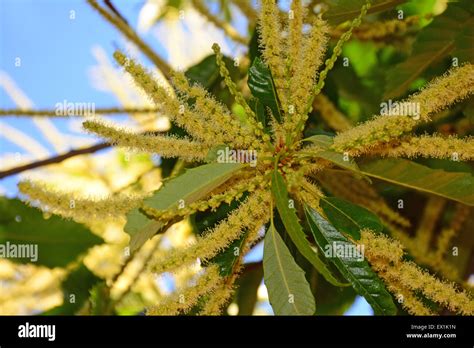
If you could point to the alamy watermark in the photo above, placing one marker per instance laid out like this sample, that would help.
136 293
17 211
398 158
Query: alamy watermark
391 108
228 155
344 251
19 251
66 108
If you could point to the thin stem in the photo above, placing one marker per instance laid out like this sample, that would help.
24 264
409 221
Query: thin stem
55 113
219 23
53 160
130 34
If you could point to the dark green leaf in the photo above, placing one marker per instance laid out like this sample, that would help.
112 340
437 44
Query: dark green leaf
288 291
227 259
254 49
203 221
433 43
100 299
464 47
343 10
348 217
57 241
294 230
248 283
364 281
261 85
364 93
206 72
76 291
454 186
333 300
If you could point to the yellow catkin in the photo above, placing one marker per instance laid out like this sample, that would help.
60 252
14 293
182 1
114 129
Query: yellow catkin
313 168
166 146
314 49
234 192
228 128
78 208
177 111
312 188
307 198
295 48
418 246
385 256
295 25
337 51
408 299
239 98
454 86
330 114
428 258
244 217
431 214
272 44
185 298
444 293
225 291
359 191
432 147
218 300
447 234
381 30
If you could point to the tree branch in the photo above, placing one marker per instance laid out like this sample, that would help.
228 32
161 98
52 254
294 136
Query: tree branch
53 160
99 111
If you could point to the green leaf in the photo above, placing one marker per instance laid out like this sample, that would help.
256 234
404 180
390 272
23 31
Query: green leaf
363 92
192 185
364 281
206 72
260 113
202 221
433 43
187 188
76 291
140 228
325 142
288 291
247 294
464 49
454 186
332 300
100 299
348 217
295 231
254 49
213 153
322 140
344 10
56 241
261 85
227 259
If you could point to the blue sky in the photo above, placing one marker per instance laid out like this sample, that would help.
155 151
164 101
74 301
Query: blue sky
55 54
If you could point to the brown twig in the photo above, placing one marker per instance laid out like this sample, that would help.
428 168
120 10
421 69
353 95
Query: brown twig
131 35
53 160
99 111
